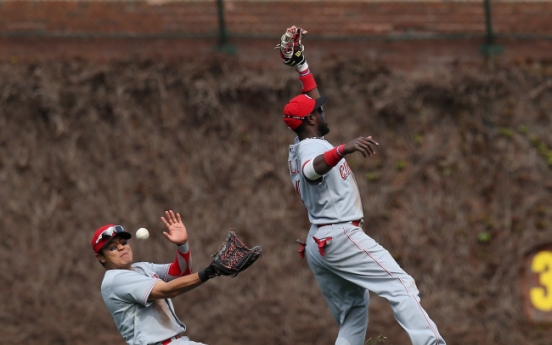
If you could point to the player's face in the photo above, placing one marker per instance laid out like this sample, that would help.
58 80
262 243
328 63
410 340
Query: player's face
117 254
322 123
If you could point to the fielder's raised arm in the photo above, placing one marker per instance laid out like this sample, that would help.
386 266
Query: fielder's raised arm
305 108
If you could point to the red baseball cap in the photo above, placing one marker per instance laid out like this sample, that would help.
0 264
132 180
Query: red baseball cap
105 234
299 107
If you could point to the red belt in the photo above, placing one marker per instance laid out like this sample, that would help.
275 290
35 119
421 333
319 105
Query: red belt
170 340
354 222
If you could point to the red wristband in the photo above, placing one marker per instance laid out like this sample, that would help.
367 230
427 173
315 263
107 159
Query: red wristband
340 149
333 156
307 81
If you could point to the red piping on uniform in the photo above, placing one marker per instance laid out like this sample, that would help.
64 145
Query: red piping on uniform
403 284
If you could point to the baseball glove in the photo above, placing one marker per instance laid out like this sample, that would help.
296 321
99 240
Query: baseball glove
291 49
234 256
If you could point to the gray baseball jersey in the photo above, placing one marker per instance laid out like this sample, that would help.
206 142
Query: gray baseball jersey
126 292
333 198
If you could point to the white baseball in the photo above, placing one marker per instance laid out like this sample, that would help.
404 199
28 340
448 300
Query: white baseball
142 234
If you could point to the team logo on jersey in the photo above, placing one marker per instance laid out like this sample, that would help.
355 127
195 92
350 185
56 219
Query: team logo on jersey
344 170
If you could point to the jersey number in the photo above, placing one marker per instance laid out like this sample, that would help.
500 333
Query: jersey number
541 297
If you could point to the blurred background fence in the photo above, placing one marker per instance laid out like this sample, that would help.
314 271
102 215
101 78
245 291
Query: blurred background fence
408 34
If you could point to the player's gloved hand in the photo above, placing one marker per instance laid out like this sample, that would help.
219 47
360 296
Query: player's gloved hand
208 273
292 50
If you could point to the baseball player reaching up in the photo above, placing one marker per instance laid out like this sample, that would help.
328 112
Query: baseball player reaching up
346 262
138 295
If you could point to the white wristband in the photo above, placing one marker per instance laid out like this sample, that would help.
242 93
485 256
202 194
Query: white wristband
308 171
303 67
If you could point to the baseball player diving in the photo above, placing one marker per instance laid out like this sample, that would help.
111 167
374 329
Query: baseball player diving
346 262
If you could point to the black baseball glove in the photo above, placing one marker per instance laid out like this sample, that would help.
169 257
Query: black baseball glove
234 256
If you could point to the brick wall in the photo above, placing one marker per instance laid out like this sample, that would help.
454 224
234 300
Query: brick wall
406 33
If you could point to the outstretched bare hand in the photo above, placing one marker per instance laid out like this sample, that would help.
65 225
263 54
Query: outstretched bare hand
176 231
362 145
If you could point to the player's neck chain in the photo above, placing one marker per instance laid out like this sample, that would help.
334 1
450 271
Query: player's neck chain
312 138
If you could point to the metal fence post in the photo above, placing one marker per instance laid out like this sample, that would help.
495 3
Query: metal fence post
490 49
223 45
